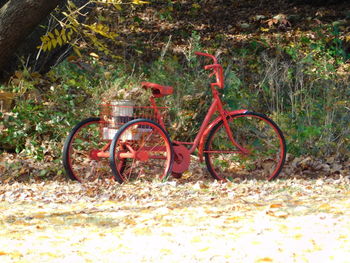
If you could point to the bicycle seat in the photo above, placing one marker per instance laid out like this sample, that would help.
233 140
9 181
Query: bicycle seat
158 91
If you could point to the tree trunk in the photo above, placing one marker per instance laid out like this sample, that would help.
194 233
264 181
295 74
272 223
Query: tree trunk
18 18
3 2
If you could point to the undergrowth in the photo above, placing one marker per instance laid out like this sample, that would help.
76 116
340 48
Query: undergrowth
301 84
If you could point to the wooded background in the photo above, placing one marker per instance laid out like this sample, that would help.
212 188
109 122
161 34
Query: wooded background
286 58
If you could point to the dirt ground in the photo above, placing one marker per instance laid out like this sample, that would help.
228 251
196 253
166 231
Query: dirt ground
287 220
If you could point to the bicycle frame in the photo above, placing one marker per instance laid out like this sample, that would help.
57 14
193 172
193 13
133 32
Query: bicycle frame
136 142
216 106
206 125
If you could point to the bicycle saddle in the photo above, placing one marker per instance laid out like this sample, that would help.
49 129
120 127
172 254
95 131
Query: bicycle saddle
158 91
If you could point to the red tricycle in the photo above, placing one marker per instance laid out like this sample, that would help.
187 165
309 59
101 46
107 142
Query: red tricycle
133 141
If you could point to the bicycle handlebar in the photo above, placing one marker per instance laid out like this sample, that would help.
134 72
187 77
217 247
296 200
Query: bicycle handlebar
207 55
214 66
217 69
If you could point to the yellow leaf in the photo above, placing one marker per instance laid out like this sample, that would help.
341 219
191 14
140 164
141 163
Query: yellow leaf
298 236
64 38
49 45
325 206
203 249
265 259
275 205
44 47
264 29
143 231
280 214
46 39
59 41
39 215
234 218
54 43
56 32
76 50
196 239
69 35
130 221
51 35
166 251
43 237
139 2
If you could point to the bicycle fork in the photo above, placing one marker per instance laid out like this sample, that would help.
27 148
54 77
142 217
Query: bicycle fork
225 116
230 134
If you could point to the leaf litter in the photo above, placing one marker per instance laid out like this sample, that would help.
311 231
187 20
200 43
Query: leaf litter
287 220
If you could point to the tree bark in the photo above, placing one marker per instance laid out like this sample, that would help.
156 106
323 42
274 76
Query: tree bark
18 18
3 2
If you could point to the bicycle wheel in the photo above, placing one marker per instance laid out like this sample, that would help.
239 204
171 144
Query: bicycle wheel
145 150
254 132
80 150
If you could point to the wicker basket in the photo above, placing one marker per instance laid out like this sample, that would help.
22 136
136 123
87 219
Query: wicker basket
117 113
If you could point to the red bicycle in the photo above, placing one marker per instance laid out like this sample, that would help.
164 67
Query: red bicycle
136 145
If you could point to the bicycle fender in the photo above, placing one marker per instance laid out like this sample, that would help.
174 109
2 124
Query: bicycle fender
208 129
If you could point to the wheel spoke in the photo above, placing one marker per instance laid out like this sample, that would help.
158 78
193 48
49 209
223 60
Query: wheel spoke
153 154
253 132
80 152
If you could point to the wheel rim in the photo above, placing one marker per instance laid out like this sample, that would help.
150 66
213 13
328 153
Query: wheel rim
83 163
145 150
262 139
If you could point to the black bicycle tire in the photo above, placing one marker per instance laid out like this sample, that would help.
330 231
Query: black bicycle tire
66 146
112 162
262 116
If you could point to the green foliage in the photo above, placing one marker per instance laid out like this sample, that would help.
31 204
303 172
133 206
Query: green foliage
39 122
302 84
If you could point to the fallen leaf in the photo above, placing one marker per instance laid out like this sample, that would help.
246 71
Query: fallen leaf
203 249
279 214
196 239
143 231
275 205
266 259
